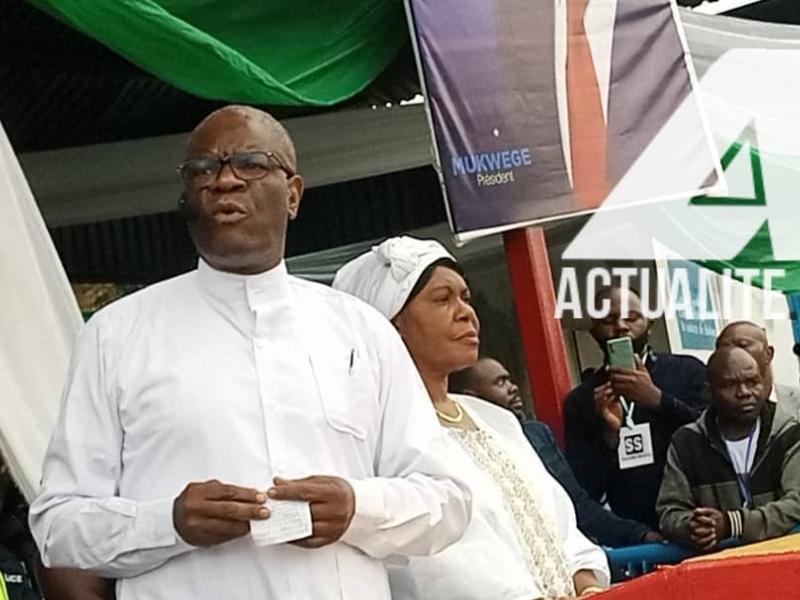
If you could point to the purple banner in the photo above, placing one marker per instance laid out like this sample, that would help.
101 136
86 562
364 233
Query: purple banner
541 109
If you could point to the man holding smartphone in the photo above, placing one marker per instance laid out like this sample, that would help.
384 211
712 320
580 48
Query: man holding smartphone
619 421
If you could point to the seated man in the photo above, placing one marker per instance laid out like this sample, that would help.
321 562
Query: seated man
644 405
489 380
713 486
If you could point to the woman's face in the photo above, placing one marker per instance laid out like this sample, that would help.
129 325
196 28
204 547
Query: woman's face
439 326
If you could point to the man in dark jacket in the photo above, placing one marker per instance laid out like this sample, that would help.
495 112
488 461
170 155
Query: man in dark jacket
735 472
643 405
490 380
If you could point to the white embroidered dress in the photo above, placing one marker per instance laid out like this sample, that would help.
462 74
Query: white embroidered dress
523 542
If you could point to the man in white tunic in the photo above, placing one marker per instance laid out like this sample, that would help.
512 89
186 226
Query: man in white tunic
193 401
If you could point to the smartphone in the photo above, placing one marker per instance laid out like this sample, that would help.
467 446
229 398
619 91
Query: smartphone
620 353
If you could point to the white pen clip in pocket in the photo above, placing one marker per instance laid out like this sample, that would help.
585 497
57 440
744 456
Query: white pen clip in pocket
343 392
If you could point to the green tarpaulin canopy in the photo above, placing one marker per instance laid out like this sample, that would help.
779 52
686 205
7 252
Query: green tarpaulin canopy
301 52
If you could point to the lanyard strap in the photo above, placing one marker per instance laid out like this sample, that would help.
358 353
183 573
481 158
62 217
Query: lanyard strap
627 407
744 479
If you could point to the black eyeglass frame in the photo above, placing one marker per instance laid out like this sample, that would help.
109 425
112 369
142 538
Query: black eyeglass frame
271 157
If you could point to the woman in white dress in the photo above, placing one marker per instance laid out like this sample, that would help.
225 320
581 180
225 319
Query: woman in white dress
522 542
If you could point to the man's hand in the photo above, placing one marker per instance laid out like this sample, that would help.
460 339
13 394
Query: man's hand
211 513
708 528
72 584
333 505
636 385
608 406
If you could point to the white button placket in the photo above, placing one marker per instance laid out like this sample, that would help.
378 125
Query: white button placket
263 352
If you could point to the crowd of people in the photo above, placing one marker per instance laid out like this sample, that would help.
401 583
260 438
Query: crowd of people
238 432
726 464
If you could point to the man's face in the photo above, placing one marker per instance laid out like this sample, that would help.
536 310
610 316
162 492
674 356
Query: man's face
619 324
493 382
751 338
737 389
240 225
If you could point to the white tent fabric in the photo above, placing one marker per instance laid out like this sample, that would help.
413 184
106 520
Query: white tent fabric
39 319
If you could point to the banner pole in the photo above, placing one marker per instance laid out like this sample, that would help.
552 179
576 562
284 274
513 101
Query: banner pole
542 336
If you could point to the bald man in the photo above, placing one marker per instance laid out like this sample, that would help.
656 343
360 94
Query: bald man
235 432
753 339
735 472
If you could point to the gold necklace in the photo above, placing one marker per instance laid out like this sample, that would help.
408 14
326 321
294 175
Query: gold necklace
445 417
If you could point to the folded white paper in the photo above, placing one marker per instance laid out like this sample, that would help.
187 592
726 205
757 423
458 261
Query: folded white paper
289 520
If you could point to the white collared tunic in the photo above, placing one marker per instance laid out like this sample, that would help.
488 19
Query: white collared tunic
242 378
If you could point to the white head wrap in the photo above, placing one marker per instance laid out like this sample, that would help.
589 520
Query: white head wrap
385 276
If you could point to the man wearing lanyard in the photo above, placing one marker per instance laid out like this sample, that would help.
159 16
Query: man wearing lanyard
644 405
735 472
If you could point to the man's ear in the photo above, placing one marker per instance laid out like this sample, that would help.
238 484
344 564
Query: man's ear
770 353
296 187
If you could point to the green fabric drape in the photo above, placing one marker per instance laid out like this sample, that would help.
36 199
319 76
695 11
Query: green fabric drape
297 52
758 255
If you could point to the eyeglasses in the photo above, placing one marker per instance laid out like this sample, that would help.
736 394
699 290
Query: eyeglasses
249 166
